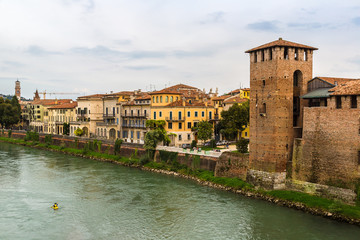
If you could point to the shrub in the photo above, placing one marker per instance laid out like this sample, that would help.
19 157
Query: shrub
117 146
32 136
193 144
144 159
212 143
242 145
48 139
9 133
79 132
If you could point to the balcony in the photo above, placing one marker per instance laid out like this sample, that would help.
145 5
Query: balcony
135 115
174 119
109 115
106 124
133 126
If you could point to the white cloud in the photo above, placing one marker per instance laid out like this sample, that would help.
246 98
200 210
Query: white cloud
104 45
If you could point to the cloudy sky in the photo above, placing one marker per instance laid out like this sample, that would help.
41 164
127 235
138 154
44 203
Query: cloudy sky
98 46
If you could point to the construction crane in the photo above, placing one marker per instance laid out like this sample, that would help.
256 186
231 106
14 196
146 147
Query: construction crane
56 93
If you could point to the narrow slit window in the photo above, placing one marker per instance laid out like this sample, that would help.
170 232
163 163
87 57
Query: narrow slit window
338 101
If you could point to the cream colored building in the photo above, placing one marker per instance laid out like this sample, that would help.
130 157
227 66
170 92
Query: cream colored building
60 114
133 118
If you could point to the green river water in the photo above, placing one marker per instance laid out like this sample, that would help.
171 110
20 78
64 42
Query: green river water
105 201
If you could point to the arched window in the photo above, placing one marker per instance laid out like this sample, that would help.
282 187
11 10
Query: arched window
157 99
161 99
167 99
171 99
153 99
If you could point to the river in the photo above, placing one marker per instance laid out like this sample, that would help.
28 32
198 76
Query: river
100 200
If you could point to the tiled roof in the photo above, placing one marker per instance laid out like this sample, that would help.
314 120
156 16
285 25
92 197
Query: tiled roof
179 103
348 88
220 98
236 99
177 89
281 43
144 97
335 81
49 102
92 96
65 106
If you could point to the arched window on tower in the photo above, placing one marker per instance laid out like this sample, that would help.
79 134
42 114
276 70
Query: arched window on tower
270 53
286 53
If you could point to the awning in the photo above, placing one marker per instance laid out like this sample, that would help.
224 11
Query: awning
318 93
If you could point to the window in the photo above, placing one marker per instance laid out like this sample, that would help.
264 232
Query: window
202 114
153 99
196 114
138 134
189 124
210 115
270 53
132 134
167 99
171 99
125 112
189 136
157 99
353 101
160 114
262 55
255 57
180 137
113 110
195 124
161 99
138 112
145 113
188 114
296 54
286 53
180 125
170 115
305 55
170 125
179 115
263 108
263 83
338 101
154 115
117 110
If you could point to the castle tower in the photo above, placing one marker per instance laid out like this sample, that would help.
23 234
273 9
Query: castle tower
18 90
279 72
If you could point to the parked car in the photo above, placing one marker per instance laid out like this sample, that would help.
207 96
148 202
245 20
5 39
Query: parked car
207 144
186 145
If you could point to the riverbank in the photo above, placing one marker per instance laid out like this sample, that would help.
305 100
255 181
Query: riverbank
301 201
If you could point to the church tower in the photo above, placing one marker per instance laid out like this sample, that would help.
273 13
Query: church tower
18 90
279 72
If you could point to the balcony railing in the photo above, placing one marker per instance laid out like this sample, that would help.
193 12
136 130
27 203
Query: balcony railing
106 124
109 115
140 115
133 126
174 119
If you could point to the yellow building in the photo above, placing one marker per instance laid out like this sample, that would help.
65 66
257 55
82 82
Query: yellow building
182 107
60 114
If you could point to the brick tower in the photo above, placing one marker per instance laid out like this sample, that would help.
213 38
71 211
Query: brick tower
17 90
279 71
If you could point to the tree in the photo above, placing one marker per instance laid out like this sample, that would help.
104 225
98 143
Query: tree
204 130
79 132
234 120
66 128
10 112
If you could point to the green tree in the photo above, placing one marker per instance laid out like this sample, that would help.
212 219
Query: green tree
66 128
79 132
234 120
204 130
10 112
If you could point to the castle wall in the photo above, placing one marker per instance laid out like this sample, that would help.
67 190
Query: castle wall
328 153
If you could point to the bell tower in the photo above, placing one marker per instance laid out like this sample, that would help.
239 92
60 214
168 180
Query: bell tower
17 90
279 72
